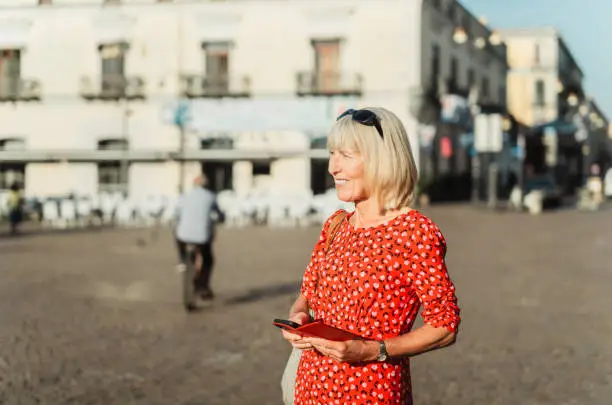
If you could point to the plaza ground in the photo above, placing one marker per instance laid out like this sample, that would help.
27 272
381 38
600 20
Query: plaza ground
94 317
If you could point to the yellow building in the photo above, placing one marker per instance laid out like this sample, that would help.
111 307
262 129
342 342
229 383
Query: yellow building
544 80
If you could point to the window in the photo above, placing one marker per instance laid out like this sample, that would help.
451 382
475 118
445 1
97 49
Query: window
327 65
12 172
318 142
44 2
485 88
502 95
537 55
217 141
10 72
454 71
219 175
216 60
320 179
471 78
435 65
261 168
113 65
451 11
540 93
111 175
467 26
112 2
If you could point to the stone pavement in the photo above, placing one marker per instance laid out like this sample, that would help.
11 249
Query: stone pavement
95 317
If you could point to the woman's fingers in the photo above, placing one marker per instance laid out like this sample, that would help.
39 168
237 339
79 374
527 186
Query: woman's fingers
302 345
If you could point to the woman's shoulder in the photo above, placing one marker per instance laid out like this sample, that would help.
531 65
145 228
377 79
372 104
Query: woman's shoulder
423 220
421 225
338 215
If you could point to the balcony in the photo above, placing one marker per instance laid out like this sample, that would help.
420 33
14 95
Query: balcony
13 90
112 88
195 86
329 84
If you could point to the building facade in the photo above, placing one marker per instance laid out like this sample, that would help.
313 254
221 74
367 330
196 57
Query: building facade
138 95
567 138
544 79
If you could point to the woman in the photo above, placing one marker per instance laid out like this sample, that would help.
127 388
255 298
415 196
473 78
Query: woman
384 262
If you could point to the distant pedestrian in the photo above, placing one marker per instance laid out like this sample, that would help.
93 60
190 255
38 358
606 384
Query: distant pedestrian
195 225
15 208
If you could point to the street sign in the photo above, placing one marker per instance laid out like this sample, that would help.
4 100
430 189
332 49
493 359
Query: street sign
488 133
551 143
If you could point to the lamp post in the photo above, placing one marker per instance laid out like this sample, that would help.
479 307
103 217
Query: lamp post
181 117
125 156
486 145
521 144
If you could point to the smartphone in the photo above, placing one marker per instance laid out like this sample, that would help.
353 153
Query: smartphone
286 324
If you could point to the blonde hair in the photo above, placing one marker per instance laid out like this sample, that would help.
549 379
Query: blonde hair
390 172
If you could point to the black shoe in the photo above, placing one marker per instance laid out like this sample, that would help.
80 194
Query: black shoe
206 294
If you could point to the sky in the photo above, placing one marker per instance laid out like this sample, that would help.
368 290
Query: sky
585 25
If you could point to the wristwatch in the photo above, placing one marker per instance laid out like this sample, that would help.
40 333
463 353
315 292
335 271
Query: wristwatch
382 351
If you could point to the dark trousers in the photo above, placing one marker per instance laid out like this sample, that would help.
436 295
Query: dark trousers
15 217
205 250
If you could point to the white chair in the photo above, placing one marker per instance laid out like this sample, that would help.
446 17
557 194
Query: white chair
50 211
299 209
3 204
108 204
169 211
124 214
68 214
84 211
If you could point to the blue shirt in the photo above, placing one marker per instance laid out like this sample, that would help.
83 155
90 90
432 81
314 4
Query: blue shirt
194 212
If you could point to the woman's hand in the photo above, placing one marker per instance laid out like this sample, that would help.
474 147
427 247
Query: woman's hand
352 351
296 340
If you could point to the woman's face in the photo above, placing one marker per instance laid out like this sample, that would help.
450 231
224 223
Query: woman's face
346 167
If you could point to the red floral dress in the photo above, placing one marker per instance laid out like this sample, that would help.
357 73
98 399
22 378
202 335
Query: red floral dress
372 282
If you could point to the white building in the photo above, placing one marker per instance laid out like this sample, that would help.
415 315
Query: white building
88 87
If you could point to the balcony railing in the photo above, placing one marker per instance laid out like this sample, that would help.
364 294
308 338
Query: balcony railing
112 87
196 86
19 89
329 83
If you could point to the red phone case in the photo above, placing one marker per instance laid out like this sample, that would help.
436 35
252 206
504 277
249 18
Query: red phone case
320 330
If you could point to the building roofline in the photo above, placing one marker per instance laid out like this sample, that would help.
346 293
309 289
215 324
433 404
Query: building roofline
595 105
542 31
570 55
546 30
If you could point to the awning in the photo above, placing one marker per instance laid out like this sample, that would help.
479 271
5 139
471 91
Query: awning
560 126
313 115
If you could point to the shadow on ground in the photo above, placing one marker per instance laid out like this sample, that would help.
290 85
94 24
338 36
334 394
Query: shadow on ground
257 294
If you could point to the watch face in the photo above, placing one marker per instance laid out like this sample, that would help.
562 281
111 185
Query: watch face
382 354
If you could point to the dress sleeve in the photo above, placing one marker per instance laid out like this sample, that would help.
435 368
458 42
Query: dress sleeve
309 281
432 283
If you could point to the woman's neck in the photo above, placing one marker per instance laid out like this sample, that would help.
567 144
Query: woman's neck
368 209
369 213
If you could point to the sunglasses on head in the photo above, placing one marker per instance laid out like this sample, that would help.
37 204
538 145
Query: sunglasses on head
364 117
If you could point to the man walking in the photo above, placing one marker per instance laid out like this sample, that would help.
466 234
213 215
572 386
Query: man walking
195 226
